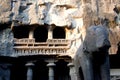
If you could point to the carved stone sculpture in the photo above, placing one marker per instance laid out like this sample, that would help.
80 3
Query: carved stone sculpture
92 56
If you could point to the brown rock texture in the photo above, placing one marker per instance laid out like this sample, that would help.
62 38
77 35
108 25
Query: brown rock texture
5 11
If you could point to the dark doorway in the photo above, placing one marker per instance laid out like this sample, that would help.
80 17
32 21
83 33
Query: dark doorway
21 32
40 71
41 34
62 70
59 33
18 71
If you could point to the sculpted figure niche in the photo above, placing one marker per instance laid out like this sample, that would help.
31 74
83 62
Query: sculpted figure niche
92 57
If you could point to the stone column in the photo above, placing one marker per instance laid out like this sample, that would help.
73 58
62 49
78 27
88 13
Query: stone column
51 70
67 33
29 70
50 32
31 32
72 72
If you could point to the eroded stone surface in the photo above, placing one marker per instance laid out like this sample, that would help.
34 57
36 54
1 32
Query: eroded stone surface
6 42
58 12
5 11
75 14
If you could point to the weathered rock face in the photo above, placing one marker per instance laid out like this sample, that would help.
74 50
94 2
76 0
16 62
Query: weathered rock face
5 11
77 14
114 39
58 12
74 15
6 42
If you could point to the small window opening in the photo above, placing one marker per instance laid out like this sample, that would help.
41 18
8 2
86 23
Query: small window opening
59 33
21 32
41 34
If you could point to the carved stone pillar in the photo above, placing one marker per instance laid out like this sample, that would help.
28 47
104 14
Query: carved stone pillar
50 32
29 70
72 72
31 32
67 33
51 70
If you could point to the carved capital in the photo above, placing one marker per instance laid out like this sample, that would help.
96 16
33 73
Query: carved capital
29 64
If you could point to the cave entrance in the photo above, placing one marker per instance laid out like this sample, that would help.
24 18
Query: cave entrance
59 33
41 34
21 32
62 70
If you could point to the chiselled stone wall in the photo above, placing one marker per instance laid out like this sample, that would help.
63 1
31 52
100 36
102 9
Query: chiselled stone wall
76 15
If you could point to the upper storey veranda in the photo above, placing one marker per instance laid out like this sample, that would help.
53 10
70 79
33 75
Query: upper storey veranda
41 40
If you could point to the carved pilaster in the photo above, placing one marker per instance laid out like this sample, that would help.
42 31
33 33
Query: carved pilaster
50 32
31 32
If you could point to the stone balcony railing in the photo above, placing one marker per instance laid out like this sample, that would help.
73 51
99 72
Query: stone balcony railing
23 47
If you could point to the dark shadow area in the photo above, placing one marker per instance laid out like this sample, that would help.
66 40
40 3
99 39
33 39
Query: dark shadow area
40 71
81 74
18 71
61 70
41 34
4 26
118 51
21 32
59 33
114 61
